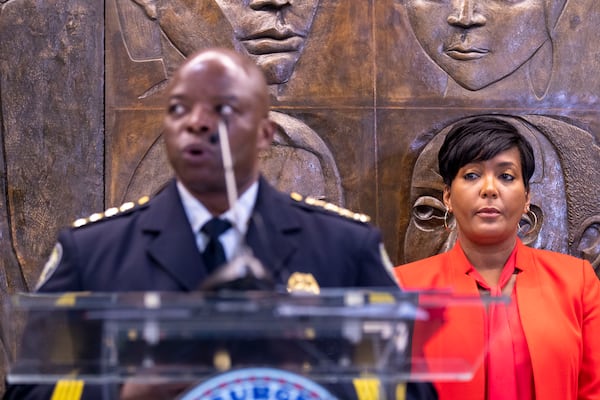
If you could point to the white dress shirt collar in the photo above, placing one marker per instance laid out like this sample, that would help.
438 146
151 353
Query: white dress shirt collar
239 216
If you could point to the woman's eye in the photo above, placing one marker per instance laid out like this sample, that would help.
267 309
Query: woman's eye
470 176
507 177
428 213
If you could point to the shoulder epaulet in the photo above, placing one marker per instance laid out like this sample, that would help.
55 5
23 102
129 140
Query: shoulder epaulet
344 212
111 212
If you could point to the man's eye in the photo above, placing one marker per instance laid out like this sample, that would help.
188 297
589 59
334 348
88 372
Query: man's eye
176 109
224 109
428 213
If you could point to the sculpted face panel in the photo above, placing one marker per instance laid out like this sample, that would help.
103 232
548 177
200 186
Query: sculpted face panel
478 42
186 23
272 32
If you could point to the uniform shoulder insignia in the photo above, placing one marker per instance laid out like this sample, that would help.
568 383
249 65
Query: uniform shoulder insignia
344 212
50 266
111 212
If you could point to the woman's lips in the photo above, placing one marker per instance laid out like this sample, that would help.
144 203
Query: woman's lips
488 212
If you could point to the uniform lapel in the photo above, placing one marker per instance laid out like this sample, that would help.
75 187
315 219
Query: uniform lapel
274 230
172 244
273 234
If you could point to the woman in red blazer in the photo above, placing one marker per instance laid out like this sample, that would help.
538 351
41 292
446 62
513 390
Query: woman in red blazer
545 344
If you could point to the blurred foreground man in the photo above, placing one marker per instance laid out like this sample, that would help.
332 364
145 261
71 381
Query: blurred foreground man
164 244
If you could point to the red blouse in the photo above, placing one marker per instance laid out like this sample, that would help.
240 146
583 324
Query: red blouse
508 369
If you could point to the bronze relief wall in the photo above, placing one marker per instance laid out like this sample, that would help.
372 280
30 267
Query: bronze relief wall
522 59
362 93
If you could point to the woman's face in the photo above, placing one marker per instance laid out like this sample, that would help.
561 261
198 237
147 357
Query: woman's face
478 42
488 199
426 234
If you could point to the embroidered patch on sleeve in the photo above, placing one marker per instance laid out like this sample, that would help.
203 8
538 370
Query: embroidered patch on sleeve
50 265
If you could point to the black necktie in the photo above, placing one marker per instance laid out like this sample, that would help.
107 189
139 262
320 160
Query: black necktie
214 254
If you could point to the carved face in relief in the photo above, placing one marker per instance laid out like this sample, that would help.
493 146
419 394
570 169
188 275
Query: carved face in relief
479 42
272 32
426 234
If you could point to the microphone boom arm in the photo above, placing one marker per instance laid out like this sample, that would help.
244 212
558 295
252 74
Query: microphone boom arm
230 183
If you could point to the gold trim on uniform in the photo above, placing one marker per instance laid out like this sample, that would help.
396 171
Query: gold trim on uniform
111 212
95 217
309 333
303 283
344 212
222 360
127 206
296 196
80 222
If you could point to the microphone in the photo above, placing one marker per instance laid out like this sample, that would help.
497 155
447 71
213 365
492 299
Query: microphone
244 271
223 137
224 112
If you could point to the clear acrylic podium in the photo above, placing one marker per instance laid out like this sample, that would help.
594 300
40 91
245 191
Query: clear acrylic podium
330 338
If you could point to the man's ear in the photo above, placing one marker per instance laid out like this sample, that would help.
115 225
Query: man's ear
149 6
587 242
266 132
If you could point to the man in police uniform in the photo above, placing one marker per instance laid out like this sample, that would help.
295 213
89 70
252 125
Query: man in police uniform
158 244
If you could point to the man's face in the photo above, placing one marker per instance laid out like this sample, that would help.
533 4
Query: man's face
197 95
478 42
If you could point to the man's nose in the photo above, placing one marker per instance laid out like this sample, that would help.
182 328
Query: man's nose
202 120
466 14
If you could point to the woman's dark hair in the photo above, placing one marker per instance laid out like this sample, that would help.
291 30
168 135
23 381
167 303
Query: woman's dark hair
480 139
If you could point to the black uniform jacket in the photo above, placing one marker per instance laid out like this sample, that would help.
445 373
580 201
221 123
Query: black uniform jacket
152 247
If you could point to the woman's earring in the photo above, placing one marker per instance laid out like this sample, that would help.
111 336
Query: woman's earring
533 224
446 220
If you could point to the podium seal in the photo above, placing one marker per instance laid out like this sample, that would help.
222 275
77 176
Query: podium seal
258 384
